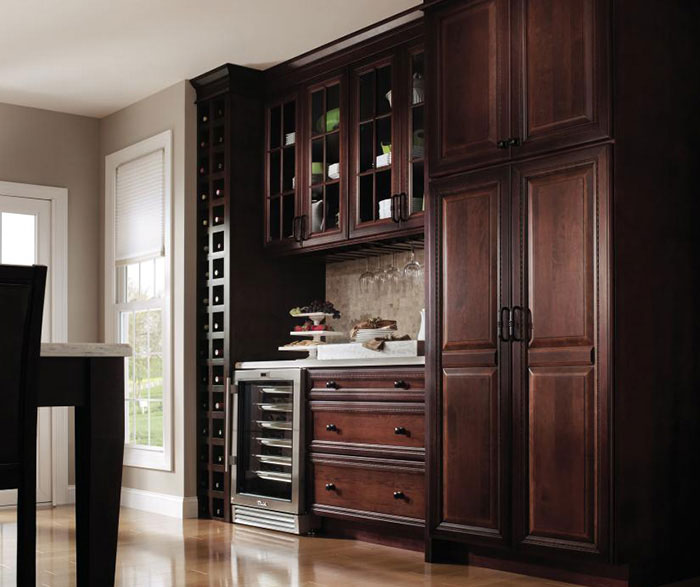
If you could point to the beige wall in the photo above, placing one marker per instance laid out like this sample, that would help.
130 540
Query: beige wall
172 108
49 148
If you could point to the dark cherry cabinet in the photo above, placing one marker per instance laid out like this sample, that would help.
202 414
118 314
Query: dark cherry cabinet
387 180
560 73
282 217
561 353
346 153
472 407
468 56
516 77
521 350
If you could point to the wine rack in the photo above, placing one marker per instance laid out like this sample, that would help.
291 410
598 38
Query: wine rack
241 293
213 192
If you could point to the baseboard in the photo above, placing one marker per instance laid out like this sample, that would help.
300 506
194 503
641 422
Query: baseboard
159 503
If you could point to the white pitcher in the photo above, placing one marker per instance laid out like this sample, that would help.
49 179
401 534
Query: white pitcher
421 331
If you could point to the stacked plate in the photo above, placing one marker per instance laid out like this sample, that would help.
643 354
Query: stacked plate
290 138
383 160
365 334
385 208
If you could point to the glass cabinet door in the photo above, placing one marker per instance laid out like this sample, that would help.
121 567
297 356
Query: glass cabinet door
265 439
281 168
416 135
375 170
324 206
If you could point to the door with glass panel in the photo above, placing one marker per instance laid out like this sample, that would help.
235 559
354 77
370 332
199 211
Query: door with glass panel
324 201
25 239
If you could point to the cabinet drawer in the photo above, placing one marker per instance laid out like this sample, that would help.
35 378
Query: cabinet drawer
406 384
361 426
394 492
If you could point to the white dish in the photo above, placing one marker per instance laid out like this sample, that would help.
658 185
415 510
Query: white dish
383 160
316 333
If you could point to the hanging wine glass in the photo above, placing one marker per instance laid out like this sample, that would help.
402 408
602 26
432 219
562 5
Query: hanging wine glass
392 274
413 270
367 279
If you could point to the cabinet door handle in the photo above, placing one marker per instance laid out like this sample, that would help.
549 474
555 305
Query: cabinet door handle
331 385
514 142
400 384
530 326
295 229
302 228
505 322
399 495
502 144
330 487
393 209
400 430
517 328
403 206
331 428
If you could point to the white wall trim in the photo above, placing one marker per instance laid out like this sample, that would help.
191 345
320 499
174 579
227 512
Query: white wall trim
159 503
135 456
58 198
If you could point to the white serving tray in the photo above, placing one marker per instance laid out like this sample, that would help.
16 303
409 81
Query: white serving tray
355 350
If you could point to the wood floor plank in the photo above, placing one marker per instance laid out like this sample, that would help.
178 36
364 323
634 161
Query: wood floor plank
157 551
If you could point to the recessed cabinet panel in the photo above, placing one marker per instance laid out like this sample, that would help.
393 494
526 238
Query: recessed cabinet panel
560 256
560 72
470 267
562 437
471 47
471 484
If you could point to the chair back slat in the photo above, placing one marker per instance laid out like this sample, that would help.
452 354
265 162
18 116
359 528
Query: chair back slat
21 310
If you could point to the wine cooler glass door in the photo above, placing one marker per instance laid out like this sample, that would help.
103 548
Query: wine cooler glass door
266 432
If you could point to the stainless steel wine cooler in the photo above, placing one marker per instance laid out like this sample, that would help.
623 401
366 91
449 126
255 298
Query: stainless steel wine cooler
267 451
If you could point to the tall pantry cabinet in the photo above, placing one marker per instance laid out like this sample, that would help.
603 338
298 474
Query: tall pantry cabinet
545 388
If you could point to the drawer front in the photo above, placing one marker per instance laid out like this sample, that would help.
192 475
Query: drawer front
371 490
373 383
363 427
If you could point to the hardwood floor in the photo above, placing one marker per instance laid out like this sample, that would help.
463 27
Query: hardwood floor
160 551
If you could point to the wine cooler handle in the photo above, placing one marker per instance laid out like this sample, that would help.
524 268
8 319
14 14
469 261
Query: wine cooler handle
227 427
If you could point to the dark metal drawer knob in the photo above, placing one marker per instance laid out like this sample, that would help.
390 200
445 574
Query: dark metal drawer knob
331 385
400 430
331 428
398 495
330 486
400 384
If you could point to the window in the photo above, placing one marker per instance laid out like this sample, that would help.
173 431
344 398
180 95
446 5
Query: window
137 293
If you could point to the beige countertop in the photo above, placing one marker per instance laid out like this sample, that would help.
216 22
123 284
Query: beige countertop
333 363
84 349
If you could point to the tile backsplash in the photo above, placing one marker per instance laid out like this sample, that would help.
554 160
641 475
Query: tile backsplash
402 302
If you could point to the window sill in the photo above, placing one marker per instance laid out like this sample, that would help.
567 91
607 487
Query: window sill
147 458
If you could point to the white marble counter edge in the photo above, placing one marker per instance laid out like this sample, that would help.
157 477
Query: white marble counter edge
84 349
316 363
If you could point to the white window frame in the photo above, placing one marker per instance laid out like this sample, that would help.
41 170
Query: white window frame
141 456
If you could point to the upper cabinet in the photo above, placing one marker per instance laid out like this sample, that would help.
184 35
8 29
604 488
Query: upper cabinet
515 77
281 205
346 153
324 208
387 144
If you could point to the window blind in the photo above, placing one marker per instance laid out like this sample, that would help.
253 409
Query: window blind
140 208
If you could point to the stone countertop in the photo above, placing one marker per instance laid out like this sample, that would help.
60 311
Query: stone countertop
333 363
84 349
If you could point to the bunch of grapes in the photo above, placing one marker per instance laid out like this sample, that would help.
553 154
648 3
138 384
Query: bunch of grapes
325 307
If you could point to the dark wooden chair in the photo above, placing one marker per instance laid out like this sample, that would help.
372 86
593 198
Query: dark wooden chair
21 310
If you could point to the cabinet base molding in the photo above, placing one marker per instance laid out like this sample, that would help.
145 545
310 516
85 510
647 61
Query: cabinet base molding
159 503
410 538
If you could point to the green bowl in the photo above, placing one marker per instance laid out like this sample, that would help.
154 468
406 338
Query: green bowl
316 168
386 148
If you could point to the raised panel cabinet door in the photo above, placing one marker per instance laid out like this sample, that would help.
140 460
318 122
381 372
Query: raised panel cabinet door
468 51
560 372
473 399
560 73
